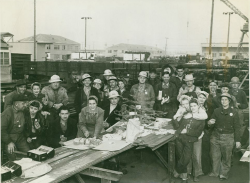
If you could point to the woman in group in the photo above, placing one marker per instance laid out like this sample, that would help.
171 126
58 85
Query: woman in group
124 93
35 125
196 163
83 93
188 132
37 95
91 119
98 85
111 114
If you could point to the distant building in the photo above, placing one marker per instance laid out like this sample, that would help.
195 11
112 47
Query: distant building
120 49
219 50
48 47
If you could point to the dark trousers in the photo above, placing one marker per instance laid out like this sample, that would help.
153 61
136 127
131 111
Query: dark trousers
184 150
20 143
205 156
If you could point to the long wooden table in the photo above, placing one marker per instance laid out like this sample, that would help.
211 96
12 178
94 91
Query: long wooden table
69 162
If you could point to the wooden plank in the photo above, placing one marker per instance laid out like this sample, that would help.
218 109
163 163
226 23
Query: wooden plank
102 173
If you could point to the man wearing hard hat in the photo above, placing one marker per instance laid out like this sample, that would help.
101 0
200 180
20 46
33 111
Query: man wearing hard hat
143 93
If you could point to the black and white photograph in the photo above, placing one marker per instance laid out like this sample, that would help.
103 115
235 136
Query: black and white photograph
124 91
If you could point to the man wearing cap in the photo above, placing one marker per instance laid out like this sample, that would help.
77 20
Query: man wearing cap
190 89
57 95
226 131
83 93
143 93
20 89
12 127
111 111
241 99
153 80
107 73
225 87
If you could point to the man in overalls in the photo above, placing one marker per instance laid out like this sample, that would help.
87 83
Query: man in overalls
190 89
12 127
20 89
143 93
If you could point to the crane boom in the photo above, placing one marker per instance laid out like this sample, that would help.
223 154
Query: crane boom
236 10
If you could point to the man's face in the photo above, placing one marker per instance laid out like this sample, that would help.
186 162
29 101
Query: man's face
86 82
225 101
55 85
185 104
235 85
213 87
190 83
106 77
166 78
114 100
112 83
141 79
33 110
64 115
21 105
97 86
36 90
224 90
21 89
167 70
152 75
180 72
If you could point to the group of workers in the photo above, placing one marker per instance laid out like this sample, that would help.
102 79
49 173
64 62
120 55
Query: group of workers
209 126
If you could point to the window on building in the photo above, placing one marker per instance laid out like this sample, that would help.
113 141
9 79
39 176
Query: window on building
220 54
48 46
76 48
69 47
160 51
56 57
5 58
224 54
63 47
56 47
214 54
115 51
109 51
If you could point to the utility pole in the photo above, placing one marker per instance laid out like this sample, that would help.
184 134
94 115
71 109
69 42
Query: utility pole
34 30
86 34
228 13
210 58
166 47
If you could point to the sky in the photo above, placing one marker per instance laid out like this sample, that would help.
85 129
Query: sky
181 24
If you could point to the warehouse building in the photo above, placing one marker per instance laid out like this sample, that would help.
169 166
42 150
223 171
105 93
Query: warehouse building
219 50
120 49
48 47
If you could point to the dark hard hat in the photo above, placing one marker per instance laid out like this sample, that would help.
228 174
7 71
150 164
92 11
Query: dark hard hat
19 97
21 82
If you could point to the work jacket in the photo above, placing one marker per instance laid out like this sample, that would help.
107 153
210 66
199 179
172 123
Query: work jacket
113 117
145 98
55 98
81 98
